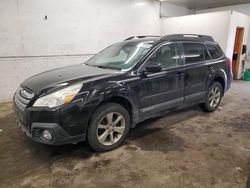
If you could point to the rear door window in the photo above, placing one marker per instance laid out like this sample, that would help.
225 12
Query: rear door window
214 51
193 52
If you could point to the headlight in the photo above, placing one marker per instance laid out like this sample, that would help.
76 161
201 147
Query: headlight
58 98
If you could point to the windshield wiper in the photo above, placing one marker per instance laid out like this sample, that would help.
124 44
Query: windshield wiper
101 66
107 67
98 66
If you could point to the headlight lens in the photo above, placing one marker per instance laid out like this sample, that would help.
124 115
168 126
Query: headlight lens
58 98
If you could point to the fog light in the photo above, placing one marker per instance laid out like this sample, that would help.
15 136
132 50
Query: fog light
47 135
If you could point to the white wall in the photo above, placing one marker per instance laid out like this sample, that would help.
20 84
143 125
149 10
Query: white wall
214 24
72 32
73 26
171 10
242 8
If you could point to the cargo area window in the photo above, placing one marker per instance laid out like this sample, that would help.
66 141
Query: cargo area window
214 51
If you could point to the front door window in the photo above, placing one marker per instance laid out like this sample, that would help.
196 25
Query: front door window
167 56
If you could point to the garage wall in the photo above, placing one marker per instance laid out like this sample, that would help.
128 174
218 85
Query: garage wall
237 20
171 10
242 8
37 35
72 26
201 24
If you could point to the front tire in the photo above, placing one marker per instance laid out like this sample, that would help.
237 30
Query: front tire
213 98
108 127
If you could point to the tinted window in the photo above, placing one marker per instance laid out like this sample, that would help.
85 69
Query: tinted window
214 51
207 57
194 52
167 56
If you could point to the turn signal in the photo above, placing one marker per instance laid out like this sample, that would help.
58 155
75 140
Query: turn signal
69 97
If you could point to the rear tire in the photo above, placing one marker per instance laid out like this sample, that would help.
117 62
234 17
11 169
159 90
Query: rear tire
213 98
108 127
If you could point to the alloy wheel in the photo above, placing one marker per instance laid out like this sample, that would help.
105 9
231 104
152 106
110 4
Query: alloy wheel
214 97
111 128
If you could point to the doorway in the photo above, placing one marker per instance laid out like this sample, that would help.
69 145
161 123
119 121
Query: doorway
237 51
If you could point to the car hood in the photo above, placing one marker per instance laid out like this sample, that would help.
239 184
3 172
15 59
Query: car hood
54 78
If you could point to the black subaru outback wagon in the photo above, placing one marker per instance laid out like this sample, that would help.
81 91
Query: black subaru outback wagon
128 82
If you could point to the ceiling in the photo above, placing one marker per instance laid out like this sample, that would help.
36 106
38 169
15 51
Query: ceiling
203 4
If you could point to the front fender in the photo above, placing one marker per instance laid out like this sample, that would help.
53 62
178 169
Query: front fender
106 91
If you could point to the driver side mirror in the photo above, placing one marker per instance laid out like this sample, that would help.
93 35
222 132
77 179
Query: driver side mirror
153 67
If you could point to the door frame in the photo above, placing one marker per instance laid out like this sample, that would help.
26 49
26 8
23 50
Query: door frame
238 44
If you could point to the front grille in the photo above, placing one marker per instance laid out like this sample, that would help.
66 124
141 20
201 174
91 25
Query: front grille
23 97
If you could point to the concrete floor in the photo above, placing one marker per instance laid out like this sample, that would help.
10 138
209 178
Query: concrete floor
188 148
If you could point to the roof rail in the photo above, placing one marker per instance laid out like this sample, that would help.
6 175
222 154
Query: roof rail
188 36
140 37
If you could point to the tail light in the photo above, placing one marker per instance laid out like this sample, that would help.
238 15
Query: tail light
229 62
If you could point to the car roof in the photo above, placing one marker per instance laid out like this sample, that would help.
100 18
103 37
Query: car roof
174 37
150 40
146 39
188 37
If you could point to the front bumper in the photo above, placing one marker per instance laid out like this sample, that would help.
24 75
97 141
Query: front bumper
67 124
59 136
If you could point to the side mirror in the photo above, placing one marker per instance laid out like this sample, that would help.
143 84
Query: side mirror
153 67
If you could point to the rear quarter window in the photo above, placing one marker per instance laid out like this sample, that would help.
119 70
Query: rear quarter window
214 51
193 52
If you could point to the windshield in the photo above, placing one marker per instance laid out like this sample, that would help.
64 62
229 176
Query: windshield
120 56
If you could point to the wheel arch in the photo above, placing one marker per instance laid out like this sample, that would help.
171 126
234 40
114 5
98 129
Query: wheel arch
221 81
123 101
221 77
